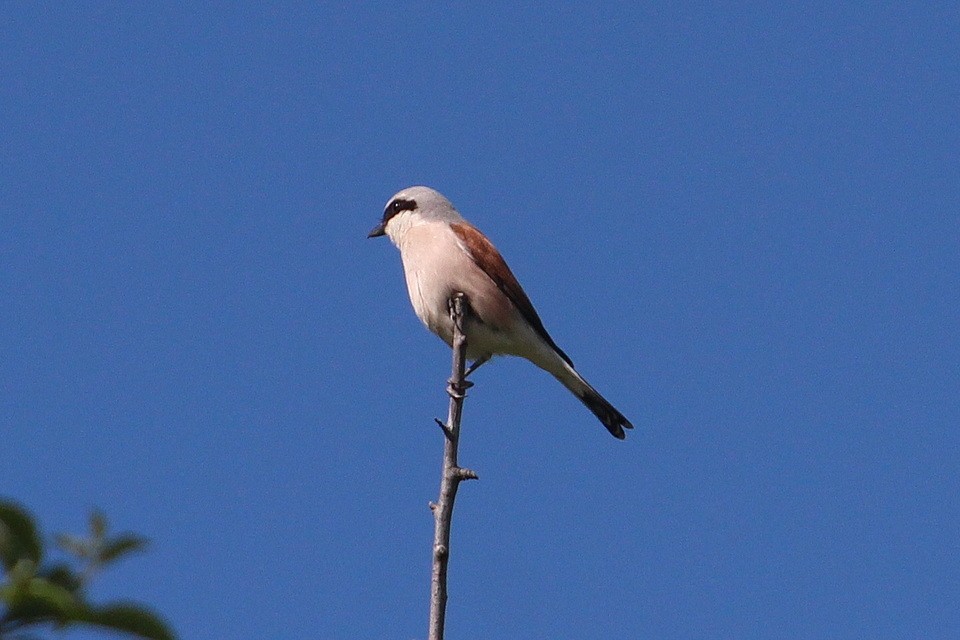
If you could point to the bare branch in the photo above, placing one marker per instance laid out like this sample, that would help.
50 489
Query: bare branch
452 474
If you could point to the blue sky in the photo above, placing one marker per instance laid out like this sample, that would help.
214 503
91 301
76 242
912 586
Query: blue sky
741 222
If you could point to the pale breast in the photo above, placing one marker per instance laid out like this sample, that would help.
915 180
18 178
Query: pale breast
436 266
428 260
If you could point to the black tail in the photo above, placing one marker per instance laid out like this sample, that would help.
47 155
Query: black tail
612 419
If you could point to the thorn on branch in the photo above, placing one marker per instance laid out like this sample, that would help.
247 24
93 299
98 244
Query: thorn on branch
443 427
461 473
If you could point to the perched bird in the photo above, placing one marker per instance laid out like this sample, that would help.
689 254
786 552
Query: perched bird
444 254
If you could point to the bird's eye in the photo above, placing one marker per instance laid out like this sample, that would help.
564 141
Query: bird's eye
403 205
397 206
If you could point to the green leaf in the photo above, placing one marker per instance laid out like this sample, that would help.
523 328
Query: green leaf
120 546
38 600
18 581
22 573
61 574
18 535
29 612
130 619
56 598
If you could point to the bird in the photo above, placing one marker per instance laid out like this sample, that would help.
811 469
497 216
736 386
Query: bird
443 255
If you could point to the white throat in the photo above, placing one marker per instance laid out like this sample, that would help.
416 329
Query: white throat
400 224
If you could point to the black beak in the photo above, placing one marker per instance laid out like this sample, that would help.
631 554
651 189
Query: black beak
377 231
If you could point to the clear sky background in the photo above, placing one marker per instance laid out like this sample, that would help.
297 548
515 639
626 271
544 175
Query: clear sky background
741 222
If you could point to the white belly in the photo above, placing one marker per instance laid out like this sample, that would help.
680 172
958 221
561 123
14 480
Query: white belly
436 267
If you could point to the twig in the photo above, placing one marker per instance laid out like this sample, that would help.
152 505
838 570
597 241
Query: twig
452 474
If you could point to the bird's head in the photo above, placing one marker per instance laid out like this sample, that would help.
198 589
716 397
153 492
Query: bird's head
411 206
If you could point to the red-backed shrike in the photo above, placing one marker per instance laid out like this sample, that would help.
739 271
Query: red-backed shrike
444 254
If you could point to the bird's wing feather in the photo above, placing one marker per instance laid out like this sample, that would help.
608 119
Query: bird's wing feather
486 256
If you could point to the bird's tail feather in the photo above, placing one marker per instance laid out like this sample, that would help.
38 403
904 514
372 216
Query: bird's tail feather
613 420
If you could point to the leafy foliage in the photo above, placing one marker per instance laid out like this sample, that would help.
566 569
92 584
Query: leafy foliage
35 594
18 536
